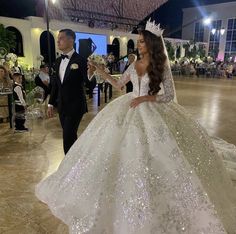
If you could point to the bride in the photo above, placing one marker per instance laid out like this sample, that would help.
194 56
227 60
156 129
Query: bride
154 170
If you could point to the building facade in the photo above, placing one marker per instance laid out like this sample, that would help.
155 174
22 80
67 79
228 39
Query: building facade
31 37
215 25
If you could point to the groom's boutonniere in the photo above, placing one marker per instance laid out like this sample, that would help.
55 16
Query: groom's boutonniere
74 66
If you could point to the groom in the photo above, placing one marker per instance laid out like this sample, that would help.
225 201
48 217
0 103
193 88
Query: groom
68 88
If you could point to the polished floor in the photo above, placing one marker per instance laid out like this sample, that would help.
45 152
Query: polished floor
25 158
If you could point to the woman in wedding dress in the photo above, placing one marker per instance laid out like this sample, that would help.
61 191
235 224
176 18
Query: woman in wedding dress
154 169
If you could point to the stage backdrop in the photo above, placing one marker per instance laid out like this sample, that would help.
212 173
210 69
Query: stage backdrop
89 42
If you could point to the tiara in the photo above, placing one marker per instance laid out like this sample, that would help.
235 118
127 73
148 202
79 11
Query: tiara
154 28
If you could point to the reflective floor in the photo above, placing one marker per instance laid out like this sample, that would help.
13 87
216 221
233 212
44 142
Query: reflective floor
25 158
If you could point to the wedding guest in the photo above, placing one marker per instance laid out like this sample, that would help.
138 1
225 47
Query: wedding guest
131 58
17 69
9 73
110 62
43 80
5 83
20 103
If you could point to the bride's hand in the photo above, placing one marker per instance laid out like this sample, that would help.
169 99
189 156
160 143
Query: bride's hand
136 101
91 67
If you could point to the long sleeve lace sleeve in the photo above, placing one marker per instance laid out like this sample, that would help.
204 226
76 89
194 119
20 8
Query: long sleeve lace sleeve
169 89
125 78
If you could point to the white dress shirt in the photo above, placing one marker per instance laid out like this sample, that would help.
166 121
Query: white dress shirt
19 93
64 64
44 76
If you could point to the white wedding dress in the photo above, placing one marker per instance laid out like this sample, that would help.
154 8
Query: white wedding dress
148 170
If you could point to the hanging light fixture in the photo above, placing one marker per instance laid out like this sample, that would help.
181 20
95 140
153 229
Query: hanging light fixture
222 31
213 31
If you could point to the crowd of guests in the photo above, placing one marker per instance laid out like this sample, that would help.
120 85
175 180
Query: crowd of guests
214 69
13 79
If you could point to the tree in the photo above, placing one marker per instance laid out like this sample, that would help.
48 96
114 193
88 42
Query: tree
7 39
187 50
170 49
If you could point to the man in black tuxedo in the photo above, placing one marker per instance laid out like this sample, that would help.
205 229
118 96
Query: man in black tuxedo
68 88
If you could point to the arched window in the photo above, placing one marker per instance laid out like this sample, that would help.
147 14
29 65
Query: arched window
130 46
18 50
116 48
44 47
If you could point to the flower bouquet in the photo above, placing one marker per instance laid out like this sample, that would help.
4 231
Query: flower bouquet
99 60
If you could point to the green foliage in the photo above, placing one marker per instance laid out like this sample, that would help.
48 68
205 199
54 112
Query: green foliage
187 50
192 51
214 53
7 39
170 49
178 52
202 51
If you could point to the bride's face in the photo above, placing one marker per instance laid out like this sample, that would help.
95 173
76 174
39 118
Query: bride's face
141 45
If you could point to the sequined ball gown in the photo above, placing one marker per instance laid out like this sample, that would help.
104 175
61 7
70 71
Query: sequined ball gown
148 170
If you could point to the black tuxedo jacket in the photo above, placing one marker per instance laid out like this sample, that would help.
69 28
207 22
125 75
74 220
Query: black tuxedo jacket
69 96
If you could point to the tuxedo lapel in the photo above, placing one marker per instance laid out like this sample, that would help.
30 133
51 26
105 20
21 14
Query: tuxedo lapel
68 68
57 68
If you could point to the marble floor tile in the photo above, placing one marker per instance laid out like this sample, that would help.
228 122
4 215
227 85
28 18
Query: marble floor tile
26 158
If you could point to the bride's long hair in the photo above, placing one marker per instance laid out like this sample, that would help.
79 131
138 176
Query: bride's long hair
158 60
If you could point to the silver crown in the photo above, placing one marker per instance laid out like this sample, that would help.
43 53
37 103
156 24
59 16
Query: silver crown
154 28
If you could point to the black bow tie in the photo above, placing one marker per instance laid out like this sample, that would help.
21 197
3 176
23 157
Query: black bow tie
63 56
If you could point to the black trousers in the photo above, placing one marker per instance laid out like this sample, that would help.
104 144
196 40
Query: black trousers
70 127
19 117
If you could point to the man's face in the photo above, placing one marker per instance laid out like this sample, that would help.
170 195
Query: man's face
45 70
131 58
2 72
64 42
18 79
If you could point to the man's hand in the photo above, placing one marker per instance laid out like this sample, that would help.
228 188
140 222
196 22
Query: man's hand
50 112
91 67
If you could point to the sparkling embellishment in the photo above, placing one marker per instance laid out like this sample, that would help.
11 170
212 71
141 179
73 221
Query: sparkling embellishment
148 170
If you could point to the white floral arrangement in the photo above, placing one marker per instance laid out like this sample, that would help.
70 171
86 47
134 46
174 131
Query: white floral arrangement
184 60
2 61
30 73
98 59
11 57
209 59
198 60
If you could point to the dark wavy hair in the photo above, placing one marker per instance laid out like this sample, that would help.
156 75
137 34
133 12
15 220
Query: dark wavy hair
158 59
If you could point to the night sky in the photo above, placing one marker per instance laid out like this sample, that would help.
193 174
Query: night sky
17 8
169 15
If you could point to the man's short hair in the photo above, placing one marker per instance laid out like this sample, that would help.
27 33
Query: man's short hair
17 74
69 33
43 66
